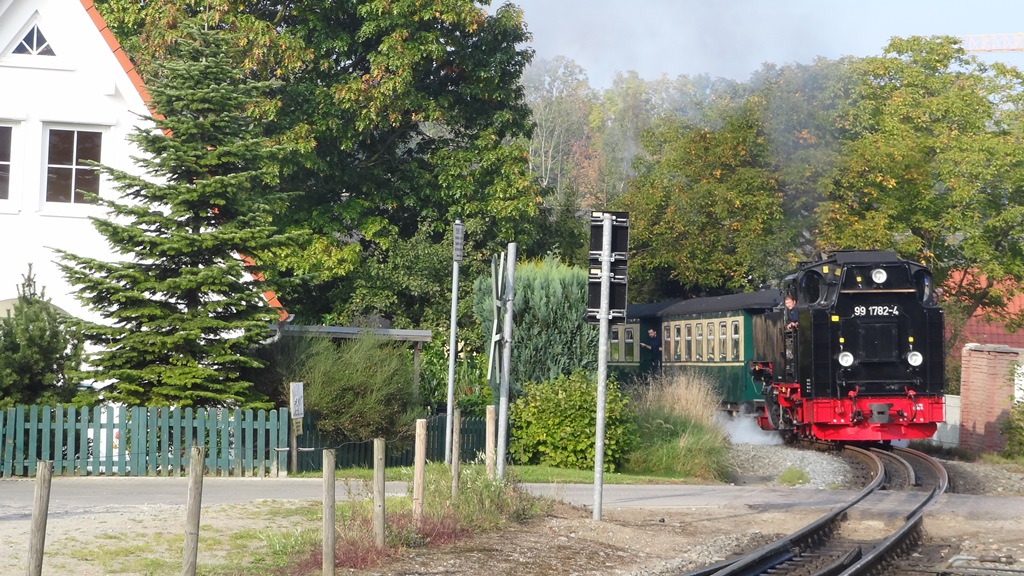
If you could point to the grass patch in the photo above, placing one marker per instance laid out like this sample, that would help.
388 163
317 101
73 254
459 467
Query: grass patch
793 476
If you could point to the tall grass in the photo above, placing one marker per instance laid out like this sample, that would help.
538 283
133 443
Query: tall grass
679 436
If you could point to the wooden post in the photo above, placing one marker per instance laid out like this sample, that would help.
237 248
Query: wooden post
419 471
329 529
456 451
489 443
378 491
40 511
193 509
293 444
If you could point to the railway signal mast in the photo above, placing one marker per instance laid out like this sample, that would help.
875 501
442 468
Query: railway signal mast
606 302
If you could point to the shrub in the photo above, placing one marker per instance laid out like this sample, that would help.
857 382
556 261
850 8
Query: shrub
554 423
358 389
677 427
1013 430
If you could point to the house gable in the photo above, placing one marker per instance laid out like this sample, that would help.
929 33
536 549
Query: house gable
70 97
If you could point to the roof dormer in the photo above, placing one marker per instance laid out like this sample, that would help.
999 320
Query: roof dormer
34 43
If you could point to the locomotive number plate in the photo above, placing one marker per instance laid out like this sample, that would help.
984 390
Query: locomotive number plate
876 310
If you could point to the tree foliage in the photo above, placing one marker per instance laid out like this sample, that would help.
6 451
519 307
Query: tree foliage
182 311
932 167
40 351
406 115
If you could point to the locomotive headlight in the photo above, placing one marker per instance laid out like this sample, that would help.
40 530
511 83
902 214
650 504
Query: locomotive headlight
845 359
878 276
915 358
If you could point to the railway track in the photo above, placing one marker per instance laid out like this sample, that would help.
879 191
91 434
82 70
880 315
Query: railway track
822 549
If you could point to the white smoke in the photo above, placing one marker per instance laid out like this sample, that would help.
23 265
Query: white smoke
743 429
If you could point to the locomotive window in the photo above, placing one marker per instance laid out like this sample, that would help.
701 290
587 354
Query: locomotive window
613 346
723 342
688 350
629 347
700 342
735 340
923 285
676 344
711 341
811 287
665 343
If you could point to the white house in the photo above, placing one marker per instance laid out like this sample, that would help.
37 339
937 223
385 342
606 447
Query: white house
68 94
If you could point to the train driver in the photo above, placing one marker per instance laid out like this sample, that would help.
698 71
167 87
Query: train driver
792 316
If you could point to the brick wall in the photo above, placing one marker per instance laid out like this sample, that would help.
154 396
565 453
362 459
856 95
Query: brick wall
986 392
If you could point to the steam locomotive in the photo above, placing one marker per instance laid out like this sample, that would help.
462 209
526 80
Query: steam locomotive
865 362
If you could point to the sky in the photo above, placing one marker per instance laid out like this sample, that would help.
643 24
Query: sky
732 38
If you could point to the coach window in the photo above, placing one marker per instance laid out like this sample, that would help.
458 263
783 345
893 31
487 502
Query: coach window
723 343
666 343
676 344
630 343
613 345
699 356
735 340
711 342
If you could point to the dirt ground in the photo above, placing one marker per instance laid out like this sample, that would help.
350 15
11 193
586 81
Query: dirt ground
147 540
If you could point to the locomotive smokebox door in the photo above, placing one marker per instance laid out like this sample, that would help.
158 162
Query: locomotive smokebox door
880 413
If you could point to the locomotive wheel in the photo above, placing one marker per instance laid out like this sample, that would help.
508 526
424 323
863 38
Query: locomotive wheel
779 420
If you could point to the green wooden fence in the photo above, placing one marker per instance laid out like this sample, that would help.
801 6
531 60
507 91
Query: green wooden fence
142 441
360 454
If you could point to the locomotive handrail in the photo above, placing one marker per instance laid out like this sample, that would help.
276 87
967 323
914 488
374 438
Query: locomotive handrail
780 550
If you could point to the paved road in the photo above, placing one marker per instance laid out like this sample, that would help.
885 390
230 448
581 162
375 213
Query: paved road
71 495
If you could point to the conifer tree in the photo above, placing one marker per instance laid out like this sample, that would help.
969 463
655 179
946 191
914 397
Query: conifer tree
181 312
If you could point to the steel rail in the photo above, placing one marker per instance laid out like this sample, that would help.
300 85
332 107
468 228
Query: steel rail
783 549
879 554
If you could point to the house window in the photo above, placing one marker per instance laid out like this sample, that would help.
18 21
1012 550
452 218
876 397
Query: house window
34 44
5 162
68 174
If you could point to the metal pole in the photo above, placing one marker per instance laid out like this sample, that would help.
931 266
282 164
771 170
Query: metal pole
456 258
602 362
506 362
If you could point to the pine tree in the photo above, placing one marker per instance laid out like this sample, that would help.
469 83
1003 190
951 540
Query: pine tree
181 311
40 350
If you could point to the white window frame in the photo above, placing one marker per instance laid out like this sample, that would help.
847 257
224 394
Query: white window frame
12 203
73 209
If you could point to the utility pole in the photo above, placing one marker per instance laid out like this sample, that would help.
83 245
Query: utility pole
457 252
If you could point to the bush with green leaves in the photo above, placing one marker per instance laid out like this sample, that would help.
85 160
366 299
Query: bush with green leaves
550 337
357 389
1013 430
554 422
40 352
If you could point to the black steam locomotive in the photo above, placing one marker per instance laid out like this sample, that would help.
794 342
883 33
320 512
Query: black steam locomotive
863 363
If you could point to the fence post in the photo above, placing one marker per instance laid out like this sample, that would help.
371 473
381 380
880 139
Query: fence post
378 491
456 451
193 509
40 510
489 443
419 471
329 535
